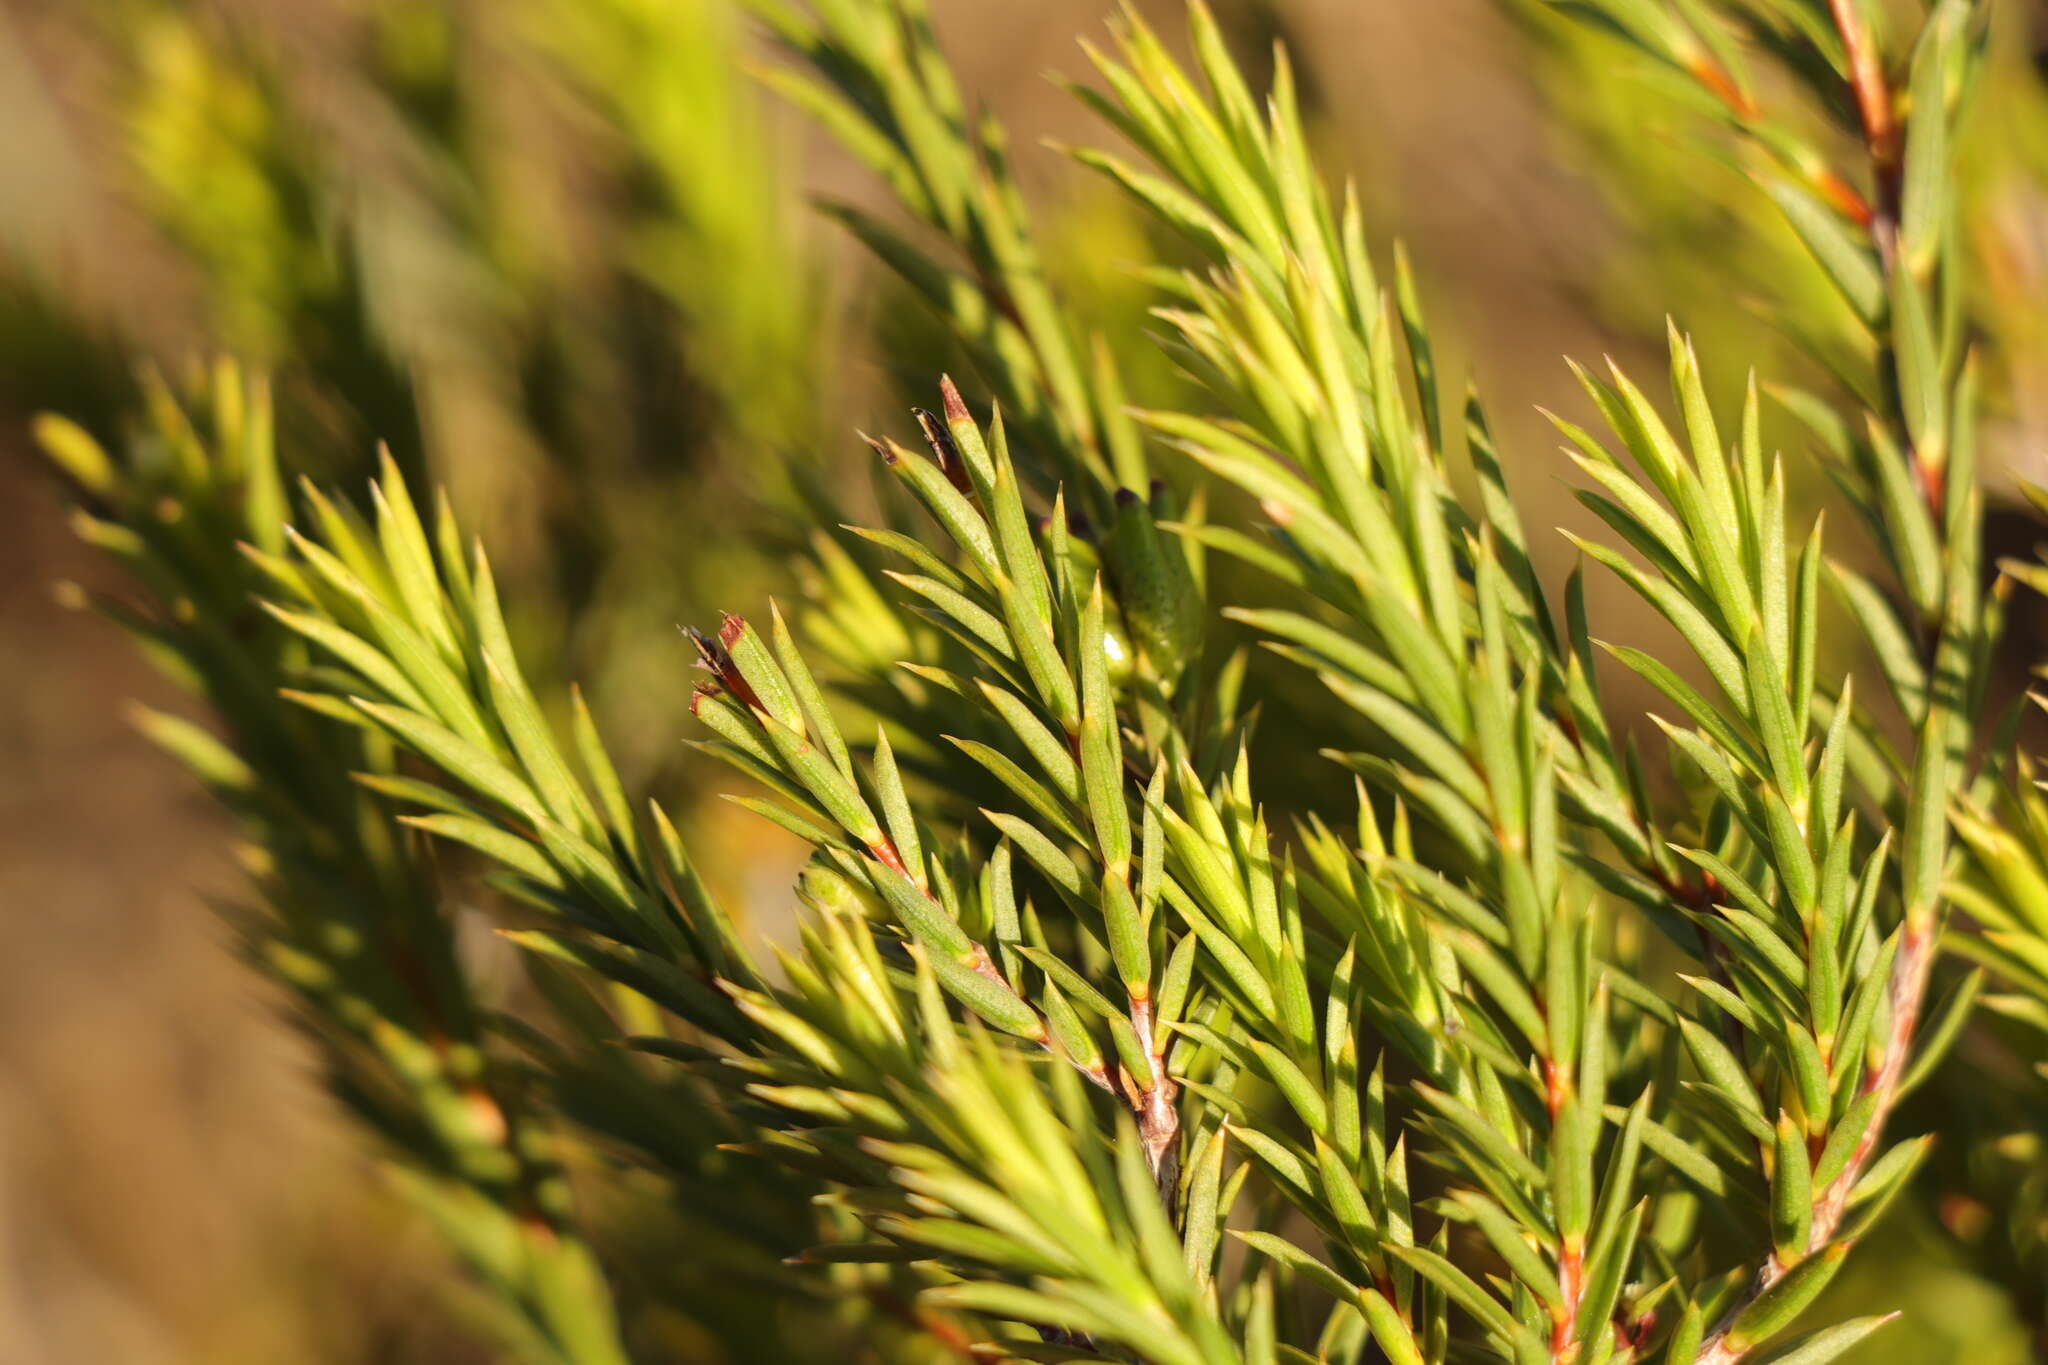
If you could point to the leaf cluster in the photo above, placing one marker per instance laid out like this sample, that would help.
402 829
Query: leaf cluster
1525 1054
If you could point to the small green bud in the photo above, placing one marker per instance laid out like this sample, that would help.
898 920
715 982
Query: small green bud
1154 588
829 891
1119 659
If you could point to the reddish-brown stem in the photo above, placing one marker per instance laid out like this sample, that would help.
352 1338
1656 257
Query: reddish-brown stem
1886 149
1571 1264
1557 1087
1564 1321
1158 1118
1905 991
884 851
1874 108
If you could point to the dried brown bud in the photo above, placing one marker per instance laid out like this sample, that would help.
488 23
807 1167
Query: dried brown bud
941 442
713 659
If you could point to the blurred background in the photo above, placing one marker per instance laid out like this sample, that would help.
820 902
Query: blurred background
560 256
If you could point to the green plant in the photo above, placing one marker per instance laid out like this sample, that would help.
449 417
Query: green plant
1520 1053
340 912
350 915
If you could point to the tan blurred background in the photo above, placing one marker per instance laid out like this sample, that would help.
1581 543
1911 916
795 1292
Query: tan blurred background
173 1188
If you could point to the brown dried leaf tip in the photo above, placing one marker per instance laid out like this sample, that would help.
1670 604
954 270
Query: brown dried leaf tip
881 448
949 398
714 658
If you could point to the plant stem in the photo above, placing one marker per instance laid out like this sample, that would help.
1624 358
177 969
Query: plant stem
1880 128
1907 987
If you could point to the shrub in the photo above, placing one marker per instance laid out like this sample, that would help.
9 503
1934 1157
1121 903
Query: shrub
1104 1035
